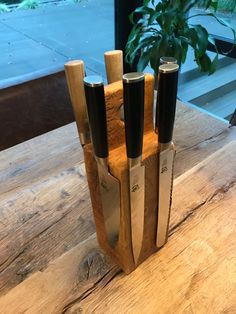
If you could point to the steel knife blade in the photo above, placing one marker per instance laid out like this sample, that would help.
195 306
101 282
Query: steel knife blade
165 116
109 186
133 84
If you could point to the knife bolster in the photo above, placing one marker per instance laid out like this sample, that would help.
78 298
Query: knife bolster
102 161
134 161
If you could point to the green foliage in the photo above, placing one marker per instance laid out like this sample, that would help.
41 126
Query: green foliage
227 5
3 7
164 29
28 4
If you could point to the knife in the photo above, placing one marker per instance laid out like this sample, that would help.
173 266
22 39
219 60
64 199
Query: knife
133 88
109 185
75 74
114 70
166 104
114 65
163 60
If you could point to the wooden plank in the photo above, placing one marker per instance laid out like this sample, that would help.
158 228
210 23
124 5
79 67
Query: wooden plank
38 159
194 273
54 160
187 276
42 222
197 135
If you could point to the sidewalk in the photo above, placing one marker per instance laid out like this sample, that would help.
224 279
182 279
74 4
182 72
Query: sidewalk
35 42
45 38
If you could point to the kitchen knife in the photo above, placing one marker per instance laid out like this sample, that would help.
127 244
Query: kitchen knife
114 65
109 185
133 84
166 104
163 60
75 74
114 70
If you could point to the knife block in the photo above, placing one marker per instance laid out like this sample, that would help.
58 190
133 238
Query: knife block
122 254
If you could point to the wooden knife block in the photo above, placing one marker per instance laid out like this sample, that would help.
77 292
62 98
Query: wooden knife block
122 254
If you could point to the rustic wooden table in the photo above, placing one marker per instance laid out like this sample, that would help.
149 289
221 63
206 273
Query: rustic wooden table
49 258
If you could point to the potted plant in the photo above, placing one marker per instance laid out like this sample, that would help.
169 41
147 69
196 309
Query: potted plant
164 29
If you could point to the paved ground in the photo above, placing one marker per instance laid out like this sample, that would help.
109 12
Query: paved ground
45 38
35 42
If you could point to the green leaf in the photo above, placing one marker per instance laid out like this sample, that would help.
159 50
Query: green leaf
184 51
214 5
202 38
177 49
204 62
221 21
143 61
155 17
214 64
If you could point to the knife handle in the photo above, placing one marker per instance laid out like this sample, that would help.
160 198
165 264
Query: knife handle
114 65
168 60
95 98
166 101
133 89
74 75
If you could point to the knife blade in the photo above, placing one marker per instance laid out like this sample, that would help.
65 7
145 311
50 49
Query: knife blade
114 65
133 84
165 116
74 75
109 186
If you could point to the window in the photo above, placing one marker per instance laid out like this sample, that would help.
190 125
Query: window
34 41
216 93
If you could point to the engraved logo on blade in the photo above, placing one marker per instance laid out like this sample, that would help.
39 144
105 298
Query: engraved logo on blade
135 184
164 167
135 188
104 185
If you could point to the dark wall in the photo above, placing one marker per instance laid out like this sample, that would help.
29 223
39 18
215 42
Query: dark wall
33 108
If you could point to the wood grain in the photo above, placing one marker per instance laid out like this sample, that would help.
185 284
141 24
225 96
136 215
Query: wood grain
114 65
45 158
187 276
122 254
50 219
75 73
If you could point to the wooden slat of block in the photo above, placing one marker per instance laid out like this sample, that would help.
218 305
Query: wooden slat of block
187 275
122 253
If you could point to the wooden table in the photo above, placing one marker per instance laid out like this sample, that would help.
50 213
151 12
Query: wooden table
49 258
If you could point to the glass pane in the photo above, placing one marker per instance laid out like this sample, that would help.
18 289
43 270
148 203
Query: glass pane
215 93
44 38
226 10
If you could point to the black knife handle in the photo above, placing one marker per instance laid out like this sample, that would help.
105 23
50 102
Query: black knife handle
133 89
168 60
95 99
166 101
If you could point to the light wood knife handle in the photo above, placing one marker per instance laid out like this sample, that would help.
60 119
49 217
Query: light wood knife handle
114 65
75 74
